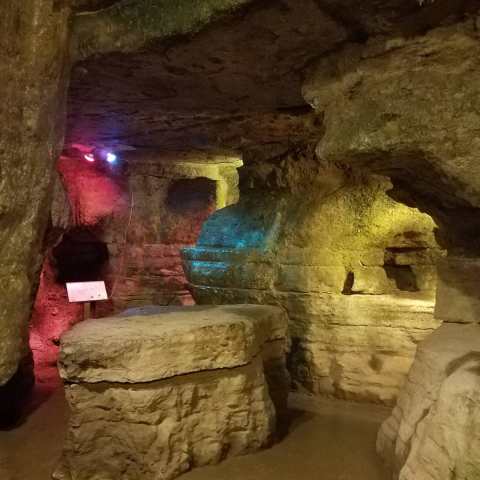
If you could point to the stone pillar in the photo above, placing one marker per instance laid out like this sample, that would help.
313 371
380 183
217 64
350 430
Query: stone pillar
34 44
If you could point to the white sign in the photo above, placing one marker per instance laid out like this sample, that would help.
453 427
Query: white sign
86 291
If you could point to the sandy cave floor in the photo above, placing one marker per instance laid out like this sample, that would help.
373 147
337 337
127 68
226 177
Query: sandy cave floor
327 440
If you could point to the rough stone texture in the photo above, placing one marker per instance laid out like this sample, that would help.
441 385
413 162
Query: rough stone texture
457 292
61 215
138 214
354 270
129 25
235 84
151 395
145 210
358 347
434 431
52 315
408 108
183 335
33 45
161 429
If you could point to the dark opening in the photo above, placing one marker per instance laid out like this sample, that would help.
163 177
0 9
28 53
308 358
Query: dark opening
80 256
348 284
403 276
191 195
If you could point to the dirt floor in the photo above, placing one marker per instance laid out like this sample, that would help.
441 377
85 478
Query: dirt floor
327 440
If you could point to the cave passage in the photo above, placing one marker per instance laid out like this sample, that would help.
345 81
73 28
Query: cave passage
80 256
283 200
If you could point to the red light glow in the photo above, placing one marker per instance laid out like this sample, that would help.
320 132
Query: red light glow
89 157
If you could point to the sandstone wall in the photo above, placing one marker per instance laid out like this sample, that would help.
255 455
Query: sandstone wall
33 73
409 108
433 432
354 270
145 209
142 212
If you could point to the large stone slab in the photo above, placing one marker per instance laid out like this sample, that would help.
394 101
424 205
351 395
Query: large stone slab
434 430
173 341
159 390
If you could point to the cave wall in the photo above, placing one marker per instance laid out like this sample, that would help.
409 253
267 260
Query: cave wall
142 211
409 108
168 201
354 269
40 40
433 431
33 72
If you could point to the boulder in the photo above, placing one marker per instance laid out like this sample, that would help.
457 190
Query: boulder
434 430
158 390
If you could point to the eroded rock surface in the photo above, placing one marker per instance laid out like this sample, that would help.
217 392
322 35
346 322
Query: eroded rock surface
160 390
457 294
408 108
354 270
434 431
161 429
236 83
183 335
33 55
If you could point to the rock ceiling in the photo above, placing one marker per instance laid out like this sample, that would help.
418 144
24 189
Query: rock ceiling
234 84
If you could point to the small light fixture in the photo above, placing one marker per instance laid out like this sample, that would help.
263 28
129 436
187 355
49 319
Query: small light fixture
89 157
111 157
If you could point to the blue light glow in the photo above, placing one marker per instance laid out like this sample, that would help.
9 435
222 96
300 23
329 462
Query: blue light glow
111 157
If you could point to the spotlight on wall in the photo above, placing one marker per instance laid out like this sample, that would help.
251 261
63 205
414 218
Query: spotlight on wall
111 157
89 157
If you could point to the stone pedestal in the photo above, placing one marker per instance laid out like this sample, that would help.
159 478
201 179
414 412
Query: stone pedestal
158 391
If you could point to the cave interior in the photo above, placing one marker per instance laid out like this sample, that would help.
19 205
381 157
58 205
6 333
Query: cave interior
282 198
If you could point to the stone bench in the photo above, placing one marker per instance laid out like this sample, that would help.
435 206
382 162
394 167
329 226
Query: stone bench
156 391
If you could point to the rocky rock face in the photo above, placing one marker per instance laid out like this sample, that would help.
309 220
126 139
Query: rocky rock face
151 395
235 83
33 45
354 270
408 108
142 212
457 300
434 431
145 212
126 226
244 91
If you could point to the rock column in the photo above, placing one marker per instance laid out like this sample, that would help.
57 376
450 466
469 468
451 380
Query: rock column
34 41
